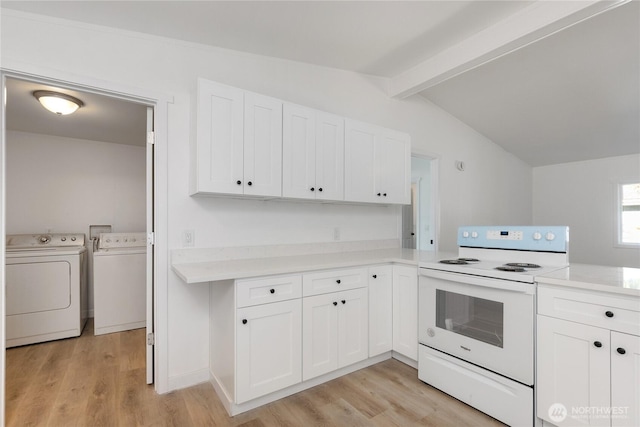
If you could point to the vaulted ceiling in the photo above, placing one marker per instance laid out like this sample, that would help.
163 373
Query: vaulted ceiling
551 82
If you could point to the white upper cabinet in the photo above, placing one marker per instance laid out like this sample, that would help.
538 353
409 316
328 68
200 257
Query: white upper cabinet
313 154
262 145
219 153
253 145
238 142
377 164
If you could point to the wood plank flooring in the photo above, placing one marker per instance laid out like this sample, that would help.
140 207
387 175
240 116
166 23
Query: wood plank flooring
100 381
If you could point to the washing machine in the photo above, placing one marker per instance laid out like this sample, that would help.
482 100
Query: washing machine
120 282
46 287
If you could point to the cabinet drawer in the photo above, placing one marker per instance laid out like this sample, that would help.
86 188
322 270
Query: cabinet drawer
324 282
263 290
591 308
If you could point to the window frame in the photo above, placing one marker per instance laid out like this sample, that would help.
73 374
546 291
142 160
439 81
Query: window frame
618 210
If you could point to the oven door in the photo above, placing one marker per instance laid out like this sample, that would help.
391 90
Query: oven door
487 322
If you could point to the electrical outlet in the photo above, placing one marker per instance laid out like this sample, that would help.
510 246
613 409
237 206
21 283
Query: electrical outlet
188 238
336 233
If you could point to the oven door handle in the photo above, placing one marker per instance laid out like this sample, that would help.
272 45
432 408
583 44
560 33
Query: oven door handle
467 279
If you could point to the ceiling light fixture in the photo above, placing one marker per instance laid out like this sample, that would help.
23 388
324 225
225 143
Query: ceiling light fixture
59 103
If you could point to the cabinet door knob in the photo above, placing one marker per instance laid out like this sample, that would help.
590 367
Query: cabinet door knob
244 321
320 189
273 291
239 182
249 183
385 194
375 276
344 301
609 314
621 350
313 189
335 303
597 344
338 281
378 194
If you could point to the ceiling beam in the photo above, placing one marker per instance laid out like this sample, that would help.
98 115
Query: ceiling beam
532 23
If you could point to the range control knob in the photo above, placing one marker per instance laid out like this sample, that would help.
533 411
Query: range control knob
537 236
465 234
550 236
474 234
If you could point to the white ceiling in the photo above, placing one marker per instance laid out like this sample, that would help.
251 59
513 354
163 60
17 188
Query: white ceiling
571 96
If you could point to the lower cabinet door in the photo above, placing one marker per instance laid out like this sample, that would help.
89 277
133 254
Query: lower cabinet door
625 380
573 377
380 310
405 311
319 331
353 331
268 348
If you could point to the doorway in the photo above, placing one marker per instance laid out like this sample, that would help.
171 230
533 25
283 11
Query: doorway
82 160
419 219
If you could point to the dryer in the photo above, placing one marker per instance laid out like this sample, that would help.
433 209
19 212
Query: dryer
46 287
120 282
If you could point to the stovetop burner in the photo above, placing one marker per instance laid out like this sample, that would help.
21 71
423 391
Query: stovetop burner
511 268
459 261
522 265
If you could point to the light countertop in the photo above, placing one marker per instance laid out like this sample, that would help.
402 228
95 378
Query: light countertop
619 280
212 271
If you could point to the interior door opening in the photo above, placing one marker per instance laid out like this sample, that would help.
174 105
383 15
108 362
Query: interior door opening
53 167
419 219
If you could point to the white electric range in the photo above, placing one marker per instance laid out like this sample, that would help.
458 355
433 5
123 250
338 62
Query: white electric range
477 316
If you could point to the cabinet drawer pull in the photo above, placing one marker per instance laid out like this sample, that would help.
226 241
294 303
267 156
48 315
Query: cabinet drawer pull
249 183
313 189
320 189
621 350
338 281
375 276
344 302
273 291
385 194
244 321
609 314
378 194
335 303
238 182
597 344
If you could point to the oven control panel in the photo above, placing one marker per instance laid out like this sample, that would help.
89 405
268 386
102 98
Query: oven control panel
526 238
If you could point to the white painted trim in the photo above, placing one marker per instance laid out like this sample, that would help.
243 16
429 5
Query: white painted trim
617 235
404 359
435 192
3 193
535 22
159 101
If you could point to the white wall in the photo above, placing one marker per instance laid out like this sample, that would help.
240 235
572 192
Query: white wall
63 185
495 189
583 196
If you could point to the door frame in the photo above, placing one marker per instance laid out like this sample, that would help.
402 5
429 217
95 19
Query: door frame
160 103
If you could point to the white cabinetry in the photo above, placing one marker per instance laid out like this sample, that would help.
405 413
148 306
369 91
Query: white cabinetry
256 335
405 311
588 358
335 324
377 164
380 309
313 154
238 142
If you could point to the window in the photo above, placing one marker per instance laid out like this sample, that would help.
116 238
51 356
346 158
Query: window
629 207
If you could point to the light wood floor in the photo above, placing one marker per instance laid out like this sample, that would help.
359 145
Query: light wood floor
100 381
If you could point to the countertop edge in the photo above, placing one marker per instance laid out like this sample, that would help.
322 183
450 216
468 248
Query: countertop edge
580 285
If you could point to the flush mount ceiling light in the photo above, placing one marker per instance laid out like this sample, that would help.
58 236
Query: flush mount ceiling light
59 103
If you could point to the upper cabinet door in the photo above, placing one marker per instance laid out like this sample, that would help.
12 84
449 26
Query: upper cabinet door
298 152
393 165
262 145
359 162
219 153
329 156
